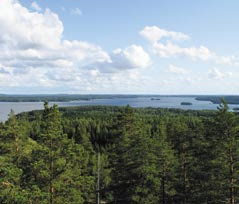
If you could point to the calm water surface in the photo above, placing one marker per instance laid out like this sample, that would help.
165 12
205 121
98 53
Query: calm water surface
164 102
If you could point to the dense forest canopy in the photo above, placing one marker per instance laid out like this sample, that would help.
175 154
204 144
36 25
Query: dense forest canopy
120 155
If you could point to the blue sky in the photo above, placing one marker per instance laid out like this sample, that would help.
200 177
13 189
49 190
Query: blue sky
119 47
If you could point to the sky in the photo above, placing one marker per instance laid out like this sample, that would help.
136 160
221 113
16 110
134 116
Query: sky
119 47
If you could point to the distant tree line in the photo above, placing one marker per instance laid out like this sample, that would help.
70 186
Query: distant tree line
58 97
234 99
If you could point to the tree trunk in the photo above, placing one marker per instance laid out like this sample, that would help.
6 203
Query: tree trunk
98 179
184 181
232 197
163 186
51 175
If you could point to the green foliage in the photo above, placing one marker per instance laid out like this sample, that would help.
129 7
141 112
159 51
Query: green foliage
147 156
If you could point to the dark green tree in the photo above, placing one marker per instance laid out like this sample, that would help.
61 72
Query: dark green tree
11 151
224 139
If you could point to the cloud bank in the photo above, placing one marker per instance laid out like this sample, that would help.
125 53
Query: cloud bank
166 44
132 57
34 53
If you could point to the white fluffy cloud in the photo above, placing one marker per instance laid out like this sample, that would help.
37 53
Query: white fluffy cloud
22 29
176 70
168 49
155 34
215 73
130 58
164 44
35 6
33 52
133 57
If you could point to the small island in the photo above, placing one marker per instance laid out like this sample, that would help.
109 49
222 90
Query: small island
186 104
236 109
157 99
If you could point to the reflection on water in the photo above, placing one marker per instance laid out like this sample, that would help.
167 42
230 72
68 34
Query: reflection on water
162 102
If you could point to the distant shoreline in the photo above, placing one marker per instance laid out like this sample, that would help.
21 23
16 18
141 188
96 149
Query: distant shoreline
215 99
58 97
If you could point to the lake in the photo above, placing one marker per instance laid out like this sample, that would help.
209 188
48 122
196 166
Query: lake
156 102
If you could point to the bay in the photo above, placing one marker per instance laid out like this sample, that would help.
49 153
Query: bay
137 102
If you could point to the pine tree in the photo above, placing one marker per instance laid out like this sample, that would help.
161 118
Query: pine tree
166 163
141 162
11 148
121 160
58 171
48 159
224 138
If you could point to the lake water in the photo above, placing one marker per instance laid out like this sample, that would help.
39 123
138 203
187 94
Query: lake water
164 102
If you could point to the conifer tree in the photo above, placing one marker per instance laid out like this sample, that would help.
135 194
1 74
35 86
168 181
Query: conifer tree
224 138
11 143
121 160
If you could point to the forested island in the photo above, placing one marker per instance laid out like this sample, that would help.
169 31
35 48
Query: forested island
155 99
186 103
120 155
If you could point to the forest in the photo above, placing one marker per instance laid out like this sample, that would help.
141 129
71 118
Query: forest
120 155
